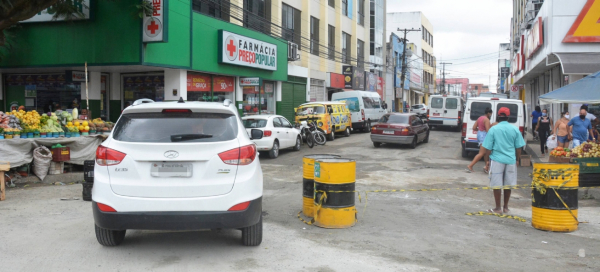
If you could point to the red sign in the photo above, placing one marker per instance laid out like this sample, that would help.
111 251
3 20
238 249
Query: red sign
380 86
585 28
198 83
223 84
336 81
535 38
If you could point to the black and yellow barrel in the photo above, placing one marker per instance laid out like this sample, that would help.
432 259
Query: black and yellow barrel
308 181
335 181
555 209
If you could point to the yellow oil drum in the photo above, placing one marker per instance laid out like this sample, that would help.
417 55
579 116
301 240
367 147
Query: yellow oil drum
308 181
335 181
548 211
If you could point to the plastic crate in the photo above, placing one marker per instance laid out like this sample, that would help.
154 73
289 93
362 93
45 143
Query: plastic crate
588 165
61 154
589 180
88 171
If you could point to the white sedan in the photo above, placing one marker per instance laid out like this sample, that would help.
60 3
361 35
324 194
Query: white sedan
278 133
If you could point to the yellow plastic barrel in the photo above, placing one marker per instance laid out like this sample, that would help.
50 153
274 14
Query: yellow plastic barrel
308 181
548 211
335 181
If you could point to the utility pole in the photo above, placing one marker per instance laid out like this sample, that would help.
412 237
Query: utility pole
444 76
403 77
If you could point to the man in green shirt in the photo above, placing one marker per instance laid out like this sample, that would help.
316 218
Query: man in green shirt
504 142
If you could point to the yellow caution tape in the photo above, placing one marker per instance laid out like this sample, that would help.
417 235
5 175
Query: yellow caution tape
304 221
521 219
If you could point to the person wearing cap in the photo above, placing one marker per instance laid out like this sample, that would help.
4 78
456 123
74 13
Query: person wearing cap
504 142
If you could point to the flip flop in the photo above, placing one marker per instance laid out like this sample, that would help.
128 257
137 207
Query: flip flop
492 211
468 171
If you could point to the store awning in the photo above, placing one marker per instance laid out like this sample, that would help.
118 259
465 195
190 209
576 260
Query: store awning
584 91
576 63
417 92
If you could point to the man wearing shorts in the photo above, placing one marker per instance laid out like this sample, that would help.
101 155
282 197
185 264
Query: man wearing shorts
504 142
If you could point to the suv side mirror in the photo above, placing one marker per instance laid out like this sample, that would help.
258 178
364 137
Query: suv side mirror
256 134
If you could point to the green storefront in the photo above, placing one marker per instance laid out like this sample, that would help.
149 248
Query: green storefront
196 57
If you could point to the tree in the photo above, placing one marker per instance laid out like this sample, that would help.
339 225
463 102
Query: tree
14 11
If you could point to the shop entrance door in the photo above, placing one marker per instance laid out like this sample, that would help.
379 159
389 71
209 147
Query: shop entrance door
292 95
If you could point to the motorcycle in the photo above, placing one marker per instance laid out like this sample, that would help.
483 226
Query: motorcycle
310 133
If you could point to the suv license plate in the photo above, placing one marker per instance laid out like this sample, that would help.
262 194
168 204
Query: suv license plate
388 132
162 169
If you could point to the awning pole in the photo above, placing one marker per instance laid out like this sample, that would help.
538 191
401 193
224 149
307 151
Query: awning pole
87 100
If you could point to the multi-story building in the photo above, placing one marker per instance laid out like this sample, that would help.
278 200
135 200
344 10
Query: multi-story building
478 88
454 86
377 32
554 43
267 55
503 67
423 40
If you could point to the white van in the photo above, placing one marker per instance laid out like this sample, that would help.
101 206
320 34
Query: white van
476 107
445 111
365 107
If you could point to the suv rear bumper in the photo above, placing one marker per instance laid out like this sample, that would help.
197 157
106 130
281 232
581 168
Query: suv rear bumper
185 220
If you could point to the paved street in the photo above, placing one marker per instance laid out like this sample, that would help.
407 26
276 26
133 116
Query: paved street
414 231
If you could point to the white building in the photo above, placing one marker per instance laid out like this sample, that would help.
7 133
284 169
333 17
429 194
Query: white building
555 43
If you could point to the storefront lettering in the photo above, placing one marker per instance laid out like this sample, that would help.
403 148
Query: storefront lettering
245 51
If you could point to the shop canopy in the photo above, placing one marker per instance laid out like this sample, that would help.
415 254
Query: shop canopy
583 91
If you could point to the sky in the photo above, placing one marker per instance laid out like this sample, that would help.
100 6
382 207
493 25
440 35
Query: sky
466 33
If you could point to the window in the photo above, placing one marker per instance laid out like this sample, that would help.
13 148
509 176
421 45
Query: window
451 103
160 127
351 103
478 109
361 12
277 123
368 102
514 111
332 3
331 41
214 8
255 123
257 15
314 36
437 103
394 119
290 23
285 122
345 7
360 53
346 52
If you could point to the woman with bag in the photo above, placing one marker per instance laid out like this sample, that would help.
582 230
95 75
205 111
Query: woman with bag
544 126
561 130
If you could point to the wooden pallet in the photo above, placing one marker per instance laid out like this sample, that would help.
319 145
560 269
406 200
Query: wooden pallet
4 167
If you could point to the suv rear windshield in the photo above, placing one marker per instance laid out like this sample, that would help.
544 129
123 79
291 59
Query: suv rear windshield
514 111
255 123
394 119
437 103
478 109
159 127
351 102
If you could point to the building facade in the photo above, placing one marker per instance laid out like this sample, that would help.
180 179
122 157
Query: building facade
187 49
422 64
554 43
454 86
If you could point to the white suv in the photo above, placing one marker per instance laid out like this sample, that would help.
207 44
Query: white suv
178 166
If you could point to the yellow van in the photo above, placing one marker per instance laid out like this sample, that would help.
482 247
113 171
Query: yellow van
332 116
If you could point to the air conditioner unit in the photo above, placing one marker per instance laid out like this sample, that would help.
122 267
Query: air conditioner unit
293 54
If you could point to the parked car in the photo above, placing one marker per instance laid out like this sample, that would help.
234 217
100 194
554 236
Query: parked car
332 117
445 111
366 108
419 109
400 128
476 107
178 166
278 133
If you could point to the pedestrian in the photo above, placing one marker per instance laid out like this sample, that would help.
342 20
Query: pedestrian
591 117
579 129
535 116
561 130
482 126
543 128
504 142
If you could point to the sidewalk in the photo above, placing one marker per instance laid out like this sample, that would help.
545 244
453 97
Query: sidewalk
533 149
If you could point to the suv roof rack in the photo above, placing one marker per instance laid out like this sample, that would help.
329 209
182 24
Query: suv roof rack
142 101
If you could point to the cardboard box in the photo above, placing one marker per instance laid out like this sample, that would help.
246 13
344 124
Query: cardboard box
525 161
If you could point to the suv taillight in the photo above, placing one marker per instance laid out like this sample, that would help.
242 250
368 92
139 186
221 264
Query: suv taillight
239 156
106 156
464 130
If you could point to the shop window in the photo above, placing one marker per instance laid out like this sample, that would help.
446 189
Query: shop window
143 86
314 36
259 99
43 93
215 8
211 88
257 15
345 7
331 42
346 51
290 24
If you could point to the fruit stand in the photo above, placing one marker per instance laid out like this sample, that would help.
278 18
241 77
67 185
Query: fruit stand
587 155
23 131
